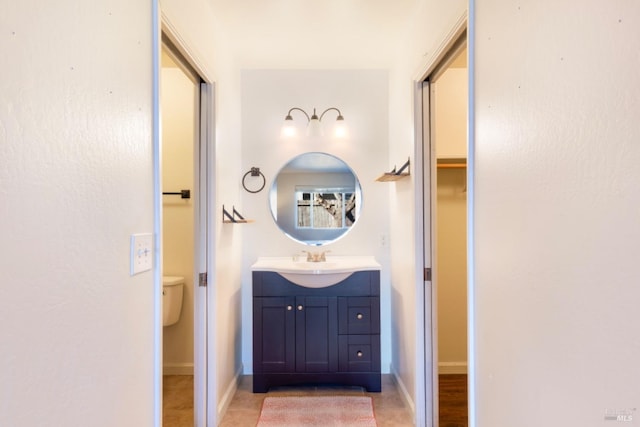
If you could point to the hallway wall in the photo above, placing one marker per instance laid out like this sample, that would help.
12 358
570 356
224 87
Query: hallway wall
76 174
557 154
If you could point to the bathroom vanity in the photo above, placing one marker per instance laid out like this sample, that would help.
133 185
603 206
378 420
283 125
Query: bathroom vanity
324 329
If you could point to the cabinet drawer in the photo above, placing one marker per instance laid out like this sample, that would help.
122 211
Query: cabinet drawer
359 315
359 353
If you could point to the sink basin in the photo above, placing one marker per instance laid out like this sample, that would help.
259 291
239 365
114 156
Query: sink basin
316 274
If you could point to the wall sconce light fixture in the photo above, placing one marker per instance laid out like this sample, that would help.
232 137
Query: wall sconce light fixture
314 127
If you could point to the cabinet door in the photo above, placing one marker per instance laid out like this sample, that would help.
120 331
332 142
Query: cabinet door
316 334
273 334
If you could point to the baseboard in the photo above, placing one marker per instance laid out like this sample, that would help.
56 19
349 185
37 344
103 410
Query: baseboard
177 369
445 368
403 392
229 392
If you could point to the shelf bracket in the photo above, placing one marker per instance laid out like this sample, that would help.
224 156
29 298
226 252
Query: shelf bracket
231 217
405 166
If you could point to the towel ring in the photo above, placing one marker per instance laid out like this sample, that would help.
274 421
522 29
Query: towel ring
254 172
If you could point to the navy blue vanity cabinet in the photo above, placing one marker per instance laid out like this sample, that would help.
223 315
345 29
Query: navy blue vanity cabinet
327 335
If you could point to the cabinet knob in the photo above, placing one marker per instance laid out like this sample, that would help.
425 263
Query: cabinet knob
289 307
359 354
300 308
359 316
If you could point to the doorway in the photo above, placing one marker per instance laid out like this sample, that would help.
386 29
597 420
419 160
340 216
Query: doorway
178 106
443 152
186 123
448 110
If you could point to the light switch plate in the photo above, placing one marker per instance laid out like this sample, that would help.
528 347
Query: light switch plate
141 252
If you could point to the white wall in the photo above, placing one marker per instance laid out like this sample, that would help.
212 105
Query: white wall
362 97
76 173
556 212
178 102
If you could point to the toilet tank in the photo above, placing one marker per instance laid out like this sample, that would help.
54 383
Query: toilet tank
172 290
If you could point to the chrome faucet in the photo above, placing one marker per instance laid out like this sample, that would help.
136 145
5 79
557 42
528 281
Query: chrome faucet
316 256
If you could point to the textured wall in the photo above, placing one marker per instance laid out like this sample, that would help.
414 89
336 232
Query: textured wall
556 212
76 174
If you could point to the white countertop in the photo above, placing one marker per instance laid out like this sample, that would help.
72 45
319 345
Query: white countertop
333 264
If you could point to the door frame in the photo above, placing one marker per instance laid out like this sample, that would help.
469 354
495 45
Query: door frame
205 392
426 292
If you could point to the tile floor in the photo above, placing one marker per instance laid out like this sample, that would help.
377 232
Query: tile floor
177 401
244 409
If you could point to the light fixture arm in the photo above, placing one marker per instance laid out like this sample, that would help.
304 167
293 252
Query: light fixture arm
329 109
298 109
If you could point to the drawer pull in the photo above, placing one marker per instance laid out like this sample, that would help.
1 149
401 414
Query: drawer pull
359 354
300 307
289 307
359 316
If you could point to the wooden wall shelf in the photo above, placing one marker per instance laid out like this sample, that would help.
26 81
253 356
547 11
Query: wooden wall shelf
390 176
393 175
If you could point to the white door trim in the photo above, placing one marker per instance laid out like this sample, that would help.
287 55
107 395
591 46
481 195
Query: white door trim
471 191
206 345
156 130
424 340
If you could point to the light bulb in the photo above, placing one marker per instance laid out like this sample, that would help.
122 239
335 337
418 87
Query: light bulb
288 128
340 130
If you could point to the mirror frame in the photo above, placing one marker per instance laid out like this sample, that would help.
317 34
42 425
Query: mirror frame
307 167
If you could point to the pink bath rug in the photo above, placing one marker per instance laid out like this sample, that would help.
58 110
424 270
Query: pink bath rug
317 411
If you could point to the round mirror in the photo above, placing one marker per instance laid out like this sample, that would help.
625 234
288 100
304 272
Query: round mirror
315 198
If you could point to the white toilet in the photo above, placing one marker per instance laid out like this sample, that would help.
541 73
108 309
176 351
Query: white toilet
172 290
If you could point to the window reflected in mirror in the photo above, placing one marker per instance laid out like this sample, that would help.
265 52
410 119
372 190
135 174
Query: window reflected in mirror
327 208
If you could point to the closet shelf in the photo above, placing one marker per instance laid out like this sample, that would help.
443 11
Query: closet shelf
393 175
452 163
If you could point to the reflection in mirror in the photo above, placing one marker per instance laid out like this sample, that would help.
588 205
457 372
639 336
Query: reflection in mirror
315 198
325 208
